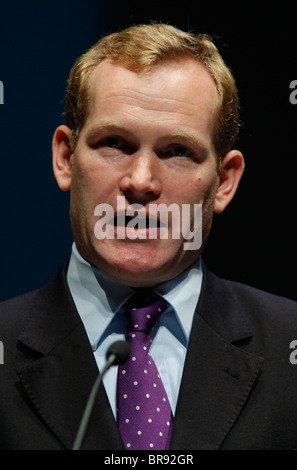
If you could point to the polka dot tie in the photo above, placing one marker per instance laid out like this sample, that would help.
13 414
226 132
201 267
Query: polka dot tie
144 413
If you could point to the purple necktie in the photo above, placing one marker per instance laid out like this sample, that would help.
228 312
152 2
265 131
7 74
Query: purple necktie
144 413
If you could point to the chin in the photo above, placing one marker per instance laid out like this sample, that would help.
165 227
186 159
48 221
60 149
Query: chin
137 264
133 270
132 267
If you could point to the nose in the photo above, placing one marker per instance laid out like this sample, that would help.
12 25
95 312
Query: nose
142 181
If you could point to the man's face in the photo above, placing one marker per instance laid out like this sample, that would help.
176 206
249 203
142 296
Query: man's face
148 138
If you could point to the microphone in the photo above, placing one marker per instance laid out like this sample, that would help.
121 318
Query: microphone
117 353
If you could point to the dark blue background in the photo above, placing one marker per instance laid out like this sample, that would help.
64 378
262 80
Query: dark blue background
38 44
254 241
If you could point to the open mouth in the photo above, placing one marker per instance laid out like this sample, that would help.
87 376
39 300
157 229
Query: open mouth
137 223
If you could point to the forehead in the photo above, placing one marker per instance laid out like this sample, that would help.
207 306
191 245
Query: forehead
171 90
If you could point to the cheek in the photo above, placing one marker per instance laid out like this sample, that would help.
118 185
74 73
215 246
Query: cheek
90 181
85 171
207 183
181 188
83 195
191 190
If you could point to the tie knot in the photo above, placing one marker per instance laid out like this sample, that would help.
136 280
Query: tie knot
143 310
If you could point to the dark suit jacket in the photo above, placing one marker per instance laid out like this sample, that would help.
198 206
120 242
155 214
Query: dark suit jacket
238 391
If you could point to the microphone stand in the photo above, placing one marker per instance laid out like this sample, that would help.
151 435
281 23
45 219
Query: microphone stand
117 353
90 404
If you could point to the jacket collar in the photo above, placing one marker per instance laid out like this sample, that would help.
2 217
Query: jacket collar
58 369
218 375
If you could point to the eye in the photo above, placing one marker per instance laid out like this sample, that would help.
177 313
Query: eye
177 151
112 142
180 151
116 145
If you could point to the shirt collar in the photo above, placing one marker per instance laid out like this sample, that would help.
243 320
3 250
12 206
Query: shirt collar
98 298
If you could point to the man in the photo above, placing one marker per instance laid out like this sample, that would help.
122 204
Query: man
151 118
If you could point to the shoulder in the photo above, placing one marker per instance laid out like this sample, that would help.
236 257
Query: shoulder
247 296
267 314
253 295
254 299
14 312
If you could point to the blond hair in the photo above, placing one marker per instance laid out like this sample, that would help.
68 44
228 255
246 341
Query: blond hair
141 47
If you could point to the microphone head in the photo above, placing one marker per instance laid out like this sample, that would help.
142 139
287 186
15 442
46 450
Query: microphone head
121 351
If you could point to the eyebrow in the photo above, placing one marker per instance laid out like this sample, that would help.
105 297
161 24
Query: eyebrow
189 137
181 135
106 126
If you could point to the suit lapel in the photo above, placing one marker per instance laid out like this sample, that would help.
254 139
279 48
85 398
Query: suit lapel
58 370
218 375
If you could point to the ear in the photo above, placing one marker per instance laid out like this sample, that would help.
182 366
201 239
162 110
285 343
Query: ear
62 152
229 178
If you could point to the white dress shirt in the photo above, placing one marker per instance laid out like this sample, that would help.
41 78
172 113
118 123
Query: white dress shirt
99 299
